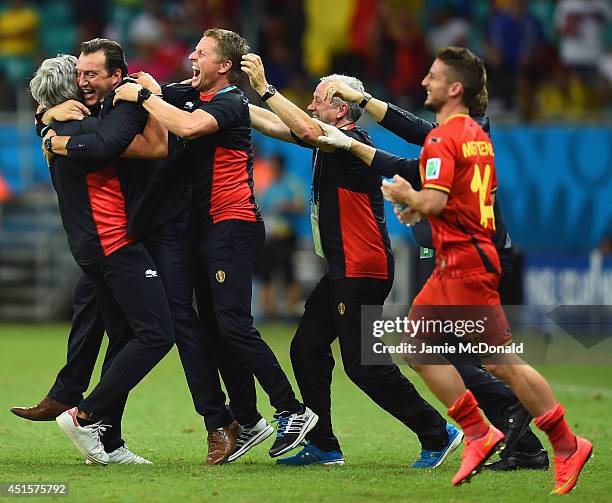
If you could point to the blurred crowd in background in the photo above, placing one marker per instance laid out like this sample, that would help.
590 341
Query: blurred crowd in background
547 59
549 63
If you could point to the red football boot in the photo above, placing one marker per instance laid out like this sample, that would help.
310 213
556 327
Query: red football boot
568 469
475 454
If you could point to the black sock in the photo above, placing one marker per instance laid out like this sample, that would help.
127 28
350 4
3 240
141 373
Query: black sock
327 449
252 423
299 409
110 447
85 422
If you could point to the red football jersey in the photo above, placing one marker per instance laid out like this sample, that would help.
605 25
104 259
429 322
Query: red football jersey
457 158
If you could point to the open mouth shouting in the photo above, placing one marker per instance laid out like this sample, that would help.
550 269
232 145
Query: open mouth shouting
196 73
89 94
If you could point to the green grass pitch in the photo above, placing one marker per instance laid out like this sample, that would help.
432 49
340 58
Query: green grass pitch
161 424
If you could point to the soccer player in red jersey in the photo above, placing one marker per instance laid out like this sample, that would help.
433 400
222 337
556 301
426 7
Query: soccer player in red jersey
459 182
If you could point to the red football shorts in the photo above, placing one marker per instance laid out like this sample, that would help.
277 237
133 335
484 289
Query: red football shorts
467 307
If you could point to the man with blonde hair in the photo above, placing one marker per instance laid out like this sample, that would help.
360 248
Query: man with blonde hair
210 116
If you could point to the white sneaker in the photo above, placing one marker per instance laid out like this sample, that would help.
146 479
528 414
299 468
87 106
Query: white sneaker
250 437
85 438
123 456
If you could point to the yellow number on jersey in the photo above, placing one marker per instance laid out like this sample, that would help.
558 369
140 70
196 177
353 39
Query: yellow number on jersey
479 184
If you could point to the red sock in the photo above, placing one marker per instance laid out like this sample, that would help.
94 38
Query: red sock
466 413
561 437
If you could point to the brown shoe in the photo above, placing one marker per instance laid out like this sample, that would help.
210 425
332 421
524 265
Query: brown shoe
221 443
47 410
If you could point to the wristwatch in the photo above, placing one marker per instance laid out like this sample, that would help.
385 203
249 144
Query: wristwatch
366 98
270 91
48 145
143 95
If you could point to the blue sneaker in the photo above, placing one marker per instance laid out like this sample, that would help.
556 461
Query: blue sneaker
433 459
312 455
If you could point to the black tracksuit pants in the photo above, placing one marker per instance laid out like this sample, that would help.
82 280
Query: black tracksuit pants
324 320
227 254
238 379
127 281
172 247
84 342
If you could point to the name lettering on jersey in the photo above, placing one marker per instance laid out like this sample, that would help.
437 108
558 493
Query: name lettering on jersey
480 184
474 148
432 168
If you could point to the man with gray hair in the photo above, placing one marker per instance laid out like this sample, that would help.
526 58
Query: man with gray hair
93 210
350 233
50 85
157 211
54 83
354 111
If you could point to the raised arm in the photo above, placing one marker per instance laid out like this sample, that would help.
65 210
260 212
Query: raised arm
406 125
375 107
400 122
384 163
269 123
187 125
389 165
296 120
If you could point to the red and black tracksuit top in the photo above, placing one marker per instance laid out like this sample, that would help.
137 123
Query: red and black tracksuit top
221 163
95 201
91 200
351 218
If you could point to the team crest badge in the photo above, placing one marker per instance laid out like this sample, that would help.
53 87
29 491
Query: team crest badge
341 309
220 276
